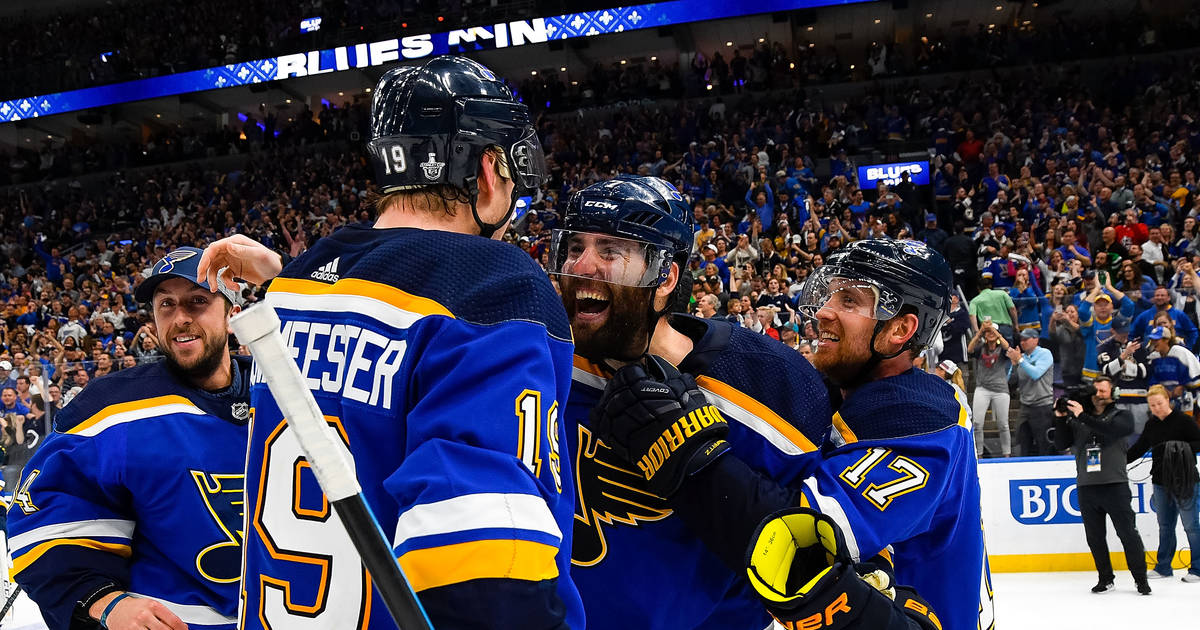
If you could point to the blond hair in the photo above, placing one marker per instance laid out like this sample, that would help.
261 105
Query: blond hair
957 379
1158 390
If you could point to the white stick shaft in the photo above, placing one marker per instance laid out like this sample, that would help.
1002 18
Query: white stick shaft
258 328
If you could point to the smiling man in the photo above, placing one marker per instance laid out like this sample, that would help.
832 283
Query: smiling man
130 514
638 559
898 468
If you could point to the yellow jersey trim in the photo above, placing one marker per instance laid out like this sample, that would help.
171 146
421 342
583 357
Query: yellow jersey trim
760 410
146 405
844 429
452 564
23 562
355 286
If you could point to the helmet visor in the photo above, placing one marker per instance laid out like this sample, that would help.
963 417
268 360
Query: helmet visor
832 288
607 258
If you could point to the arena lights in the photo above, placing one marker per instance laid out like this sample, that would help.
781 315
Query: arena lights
401 48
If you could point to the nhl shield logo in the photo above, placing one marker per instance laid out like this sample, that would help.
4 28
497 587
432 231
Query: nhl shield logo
432 167
240 411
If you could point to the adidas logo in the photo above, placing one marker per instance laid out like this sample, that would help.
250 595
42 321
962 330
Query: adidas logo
327 272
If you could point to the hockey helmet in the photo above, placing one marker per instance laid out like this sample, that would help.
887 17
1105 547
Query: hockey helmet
879 277
430 124
637 225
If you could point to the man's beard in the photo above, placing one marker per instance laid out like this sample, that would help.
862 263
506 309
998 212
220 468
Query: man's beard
843 365
624 334
202 367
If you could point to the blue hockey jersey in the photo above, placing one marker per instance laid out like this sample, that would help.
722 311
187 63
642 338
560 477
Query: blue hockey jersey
900 469
443 360
636 564
140 487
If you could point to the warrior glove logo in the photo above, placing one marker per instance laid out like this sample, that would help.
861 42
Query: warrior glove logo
432 167
675 435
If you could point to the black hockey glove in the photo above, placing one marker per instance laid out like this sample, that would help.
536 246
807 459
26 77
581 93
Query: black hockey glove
657 419
799 565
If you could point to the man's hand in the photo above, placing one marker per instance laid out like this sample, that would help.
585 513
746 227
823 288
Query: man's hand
136 613
1014 355
1130 348
1074 407
657 419
237 257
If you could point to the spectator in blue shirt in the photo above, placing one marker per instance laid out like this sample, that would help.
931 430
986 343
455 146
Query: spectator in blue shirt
762 201
10 404
1184 327
994 182
711 258
1071 250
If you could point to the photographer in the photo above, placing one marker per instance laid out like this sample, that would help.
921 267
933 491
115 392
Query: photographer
1095 436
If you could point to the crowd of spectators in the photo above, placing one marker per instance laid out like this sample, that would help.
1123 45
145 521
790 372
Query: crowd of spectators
1067 210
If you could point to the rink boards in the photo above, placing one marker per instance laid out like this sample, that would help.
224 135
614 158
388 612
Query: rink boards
1031 516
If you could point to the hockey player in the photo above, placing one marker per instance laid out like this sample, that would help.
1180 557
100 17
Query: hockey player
443 358
898 468
129 516
619 258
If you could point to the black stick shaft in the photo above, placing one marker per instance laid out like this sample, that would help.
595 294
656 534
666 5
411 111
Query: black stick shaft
11 599
380 561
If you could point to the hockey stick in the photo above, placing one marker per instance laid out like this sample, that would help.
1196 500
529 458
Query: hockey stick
331 462
11 599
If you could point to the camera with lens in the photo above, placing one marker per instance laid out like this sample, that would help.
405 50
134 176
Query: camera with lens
1081 394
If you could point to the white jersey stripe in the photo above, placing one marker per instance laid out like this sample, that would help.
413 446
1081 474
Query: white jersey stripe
378 310
193 614
831 508
477 511
106 528
139 414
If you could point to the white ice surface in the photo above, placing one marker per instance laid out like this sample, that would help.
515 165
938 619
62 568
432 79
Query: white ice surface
1053 601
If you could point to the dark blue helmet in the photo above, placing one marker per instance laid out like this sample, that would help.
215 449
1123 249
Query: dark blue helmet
430 124
641 208
902 274
647 212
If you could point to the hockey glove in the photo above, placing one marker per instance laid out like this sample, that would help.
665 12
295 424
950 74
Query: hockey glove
657 419
800 567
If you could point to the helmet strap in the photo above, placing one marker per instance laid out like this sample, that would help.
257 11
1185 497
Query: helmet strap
486 230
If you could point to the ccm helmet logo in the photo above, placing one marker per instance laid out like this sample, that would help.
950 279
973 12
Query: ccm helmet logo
607 205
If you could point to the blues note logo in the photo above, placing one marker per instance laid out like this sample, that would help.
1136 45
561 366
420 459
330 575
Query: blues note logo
222 495
610 495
